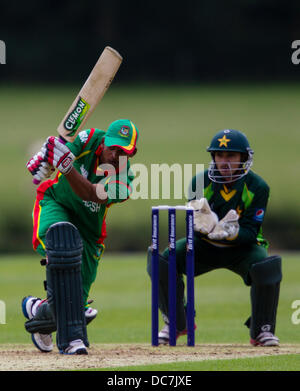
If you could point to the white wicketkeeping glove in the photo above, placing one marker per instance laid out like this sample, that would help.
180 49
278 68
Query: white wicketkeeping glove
58 155
227 228
204 218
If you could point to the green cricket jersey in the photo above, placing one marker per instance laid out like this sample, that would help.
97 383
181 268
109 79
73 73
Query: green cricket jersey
248 196
87 215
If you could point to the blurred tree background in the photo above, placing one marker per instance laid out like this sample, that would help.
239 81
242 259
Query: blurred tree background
51 47
163 41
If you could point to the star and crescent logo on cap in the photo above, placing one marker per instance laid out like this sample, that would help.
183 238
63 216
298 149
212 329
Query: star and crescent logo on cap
223 141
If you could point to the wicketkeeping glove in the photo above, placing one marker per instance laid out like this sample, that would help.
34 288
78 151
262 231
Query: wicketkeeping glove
227 228
58 155
204 218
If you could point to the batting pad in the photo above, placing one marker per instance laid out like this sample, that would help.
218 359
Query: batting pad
65 296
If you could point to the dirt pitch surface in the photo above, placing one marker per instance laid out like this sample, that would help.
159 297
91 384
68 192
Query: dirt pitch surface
28 358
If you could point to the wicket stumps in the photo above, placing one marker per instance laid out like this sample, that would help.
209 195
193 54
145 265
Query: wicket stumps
190 308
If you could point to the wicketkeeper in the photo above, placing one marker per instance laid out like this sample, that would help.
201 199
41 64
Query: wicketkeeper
228 217
69 227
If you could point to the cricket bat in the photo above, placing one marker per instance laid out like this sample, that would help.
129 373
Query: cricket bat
90 94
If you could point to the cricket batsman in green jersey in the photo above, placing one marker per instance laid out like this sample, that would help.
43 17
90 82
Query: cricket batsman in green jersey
69 227
228 217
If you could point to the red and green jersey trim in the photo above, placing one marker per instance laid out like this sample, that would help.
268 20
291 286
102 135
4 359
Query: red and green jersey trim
37 209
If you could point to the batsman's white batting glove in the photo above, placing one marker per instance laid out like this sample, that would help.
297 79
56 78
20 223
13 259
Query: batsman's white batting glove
204 218
58 155
39 168
227 228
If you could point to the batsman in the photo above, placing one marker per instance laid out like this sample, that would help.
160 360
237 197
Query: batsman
228 214
93 173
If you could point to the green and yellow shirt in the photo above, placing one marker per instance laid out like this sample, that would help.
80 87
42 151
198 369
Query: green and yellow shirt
89 216
248 196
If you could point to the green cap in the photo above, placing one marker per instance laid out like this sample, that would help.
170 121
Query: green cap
229 140
122 133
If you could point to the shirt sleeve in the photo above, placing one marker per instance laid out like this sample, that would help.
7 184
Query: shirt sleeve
252 218
81 142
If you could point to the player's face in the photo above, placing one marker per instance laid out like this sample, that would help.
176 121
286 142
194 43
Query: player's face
111 155
228 163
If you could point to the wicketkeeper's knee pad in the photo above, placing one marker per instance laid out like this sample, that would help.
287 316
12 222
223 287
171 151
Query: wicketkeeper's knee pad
267 272
64 282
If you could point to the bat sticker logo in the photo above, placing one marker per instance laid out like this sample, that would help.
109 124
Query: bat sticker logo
75 118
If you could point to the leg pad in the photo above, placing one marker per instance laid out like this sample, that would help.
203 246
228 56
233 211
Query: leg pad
64 282
266 277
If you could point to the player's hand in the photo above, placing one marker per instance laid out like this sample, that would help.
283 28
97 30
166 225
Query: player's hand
39 168
227 228
58 155
204 218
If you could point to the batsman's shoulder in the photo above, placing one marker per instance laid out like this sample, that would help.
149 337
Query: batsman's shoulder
87 135
99 133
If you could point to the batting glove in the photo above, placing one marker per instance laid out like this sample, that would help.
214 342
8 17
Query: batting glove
39 168
204 218
58 155
227 228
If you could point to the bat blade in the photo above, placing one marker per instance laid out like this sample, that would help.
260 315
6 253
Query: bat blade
90 94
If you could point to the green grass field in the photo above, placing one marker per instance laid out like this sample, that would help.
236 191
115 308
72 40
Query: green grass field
276 363
122 294
176 124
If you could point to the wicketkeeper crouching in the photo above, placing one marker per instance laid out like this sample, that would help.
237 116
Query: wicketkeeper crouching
69 227
228 217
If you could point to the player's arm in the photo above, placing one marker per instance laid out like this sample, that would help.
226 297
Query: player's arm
118 187
245 230
86 190
60 156
252 218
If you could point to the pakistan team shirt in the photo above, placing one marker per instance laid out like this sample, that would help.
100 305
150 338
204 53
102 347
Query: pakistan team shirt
248 196
88 216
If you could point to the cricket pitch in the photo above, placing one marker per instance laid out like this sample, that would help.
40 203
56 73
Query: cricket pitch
28 358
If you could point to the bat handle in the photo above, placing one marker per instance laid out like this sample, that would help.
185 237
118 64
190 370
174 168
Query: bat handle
63 140
35 181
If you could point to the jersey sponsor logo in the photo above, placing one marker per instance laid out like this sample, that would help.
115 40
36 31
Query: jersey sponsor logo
83 136
259 215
